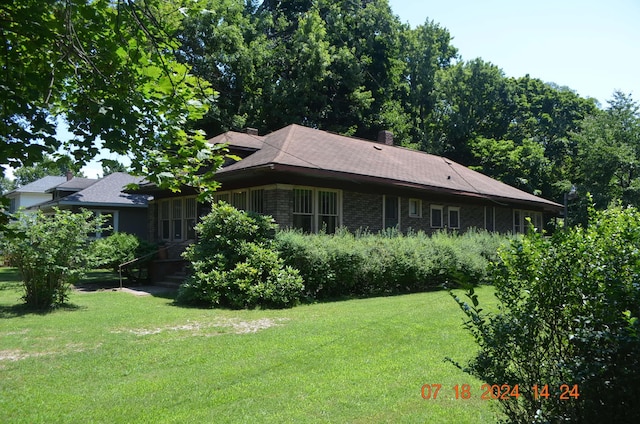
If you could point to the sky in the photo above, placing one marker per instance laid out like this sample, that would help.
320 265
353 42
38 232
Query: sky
590 46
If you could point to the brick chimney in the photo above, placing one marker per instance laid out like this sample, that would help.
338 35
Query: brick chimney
69 175
385 137
251 131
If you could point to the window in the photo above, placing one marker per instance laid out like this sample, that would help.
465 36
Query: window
415 208
315 210
521 217
303 209
391 211
246 200
328 211
222 197
190 216
239 200
436 216
177 218
490 218
256 201
454 217
109 226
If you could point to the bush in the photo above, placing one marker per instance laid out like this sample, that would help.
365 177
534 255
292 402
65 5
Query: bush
345 264
110 252
234 263
51 253
569 308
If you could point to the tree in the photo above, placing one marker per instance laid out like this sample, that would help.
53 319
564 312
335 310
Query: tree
474 100
48 166
51 253
109 166
428 53
608 145
522 165
567 330
108 69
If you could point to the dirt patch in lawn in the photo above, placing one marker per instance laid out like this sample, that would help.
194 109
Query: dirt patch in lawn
17 355
213 328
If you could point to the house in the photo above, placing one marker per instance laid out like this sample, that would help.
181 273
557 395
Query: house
33 193
315 180
105 196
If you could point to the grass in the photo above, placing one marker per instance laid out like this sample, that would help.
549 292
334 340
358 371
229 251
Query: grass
119 358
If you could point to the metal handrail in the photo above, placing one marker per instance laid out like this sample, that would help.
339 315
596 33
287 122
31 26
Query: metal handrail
143 257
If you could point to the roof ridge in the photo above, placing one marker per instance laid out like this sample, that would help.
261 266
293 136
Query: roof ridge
287 140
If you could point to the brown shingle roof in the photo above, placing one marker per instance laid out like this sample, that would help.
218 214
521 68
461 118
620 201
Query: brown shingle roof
238 139
307 148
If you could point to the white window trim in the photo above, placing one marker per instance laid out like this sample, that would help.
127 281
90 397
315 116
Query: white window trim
315 196
452 209
524 214
184 219
230 194
419 207
441 209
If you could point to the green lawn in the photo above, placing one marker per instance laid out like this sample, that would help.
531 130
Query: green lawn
118 358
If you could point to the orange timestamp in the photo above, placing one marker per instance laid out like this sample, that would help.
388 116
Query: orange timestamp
501 391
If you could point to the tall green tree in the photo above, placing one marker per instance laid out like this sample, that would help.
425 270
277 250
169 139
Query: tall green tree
226 45
474 100
427 52
608 144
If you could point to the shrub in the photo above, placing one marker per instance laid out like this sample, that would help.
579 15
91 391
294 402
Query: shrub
51 253
569 308
345 264
110 252
234 263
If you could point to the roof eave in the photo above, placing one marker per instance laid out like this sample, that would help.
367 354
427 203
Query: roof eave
543 203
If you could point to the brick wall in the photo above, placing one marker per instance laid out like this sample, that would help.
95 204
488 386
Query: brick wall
362 210
365 211
278 202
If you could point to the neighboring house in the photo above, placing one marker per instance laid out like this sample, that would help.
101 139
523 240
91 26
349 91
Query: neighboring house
314 180
33 193
127 212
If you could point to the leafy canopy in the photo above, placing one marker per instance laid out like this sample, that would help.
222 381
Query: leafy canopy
108 69
568 315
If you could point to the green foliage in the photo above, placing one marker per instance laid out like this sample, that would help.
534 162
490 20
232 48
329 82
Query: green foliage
608 165
345 264
57 165
569 308
118 248
108 70
51 252
234 263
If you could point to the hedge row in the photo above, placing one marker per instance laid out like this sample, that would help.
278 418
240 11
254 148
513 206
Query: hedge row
346 264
